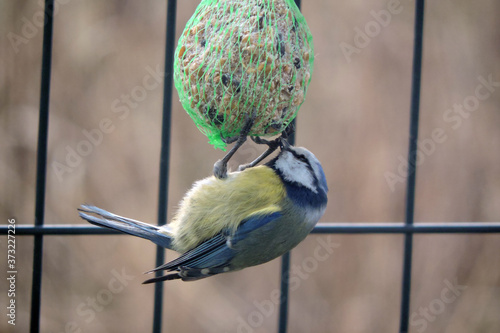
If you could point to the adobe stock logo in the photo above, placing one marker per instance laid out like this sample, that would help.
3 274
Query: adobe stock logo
31 28
363 37
449 294
453 118
298 273
88 311
120 108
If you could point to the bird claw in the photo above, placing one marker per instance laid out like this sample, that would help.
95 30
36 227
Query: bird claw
243 167
220 169
272 146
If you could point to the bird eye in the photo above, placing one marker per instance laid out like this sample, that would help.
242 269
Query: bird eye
302 158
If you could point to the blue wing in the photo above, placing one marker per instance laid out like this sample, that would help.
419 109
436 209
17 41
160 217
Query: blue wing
251 224
212 256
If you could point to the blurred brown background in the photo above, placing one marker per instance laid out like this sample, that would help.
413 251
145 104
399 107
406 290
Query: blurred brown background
355 119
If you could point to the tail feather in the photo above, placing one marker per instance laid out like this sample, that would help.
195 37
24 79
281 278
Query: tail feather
160 236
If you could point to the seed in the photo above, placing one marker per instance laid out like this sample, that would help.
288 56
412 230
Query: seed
193 67
284 113
214 116
261 22
307 77
299 98
236 86
194 30
280 45
225 79
250 49
268 69
181 51
286 69
294 24
306 56
296 63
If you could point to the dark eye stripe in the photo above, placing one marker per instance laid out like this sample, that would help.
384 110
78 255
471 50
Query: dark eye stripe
309 166
303 159
300 157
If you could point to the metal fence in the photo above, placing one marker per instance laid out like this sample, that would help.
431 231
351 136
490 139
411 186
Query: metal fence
39 229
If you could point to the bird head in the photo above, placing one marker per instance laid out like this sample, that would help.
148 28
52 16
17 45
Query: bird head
299 167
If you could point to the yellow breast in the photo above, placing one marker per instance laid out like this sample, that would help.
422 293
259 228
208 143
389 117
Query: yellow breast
213 205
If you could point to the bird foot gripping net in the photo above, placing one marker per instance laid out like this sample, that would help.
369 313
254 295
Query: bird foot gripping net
243 57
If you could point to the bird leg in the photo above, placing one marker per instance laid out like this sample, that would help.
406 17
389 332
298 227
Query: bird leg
272 146
220 167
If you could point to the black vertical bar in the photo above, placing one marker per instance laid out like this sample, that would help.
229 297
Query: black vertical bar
285 259
285 268
412 158
165 154
41 165
285 290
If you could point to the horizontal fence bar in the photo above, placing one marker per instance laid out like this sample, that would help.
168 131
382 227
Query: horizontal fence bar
321 228
402 228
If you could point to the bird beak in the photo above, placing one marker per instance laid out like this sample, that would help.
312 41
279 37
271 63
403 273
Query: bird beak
284 144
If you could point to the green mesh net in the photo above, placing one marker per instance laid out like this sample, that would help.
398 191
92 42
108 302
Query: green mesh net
238 58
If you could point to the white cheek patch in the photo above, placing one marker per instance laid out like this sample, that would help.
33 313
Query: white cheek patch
295 171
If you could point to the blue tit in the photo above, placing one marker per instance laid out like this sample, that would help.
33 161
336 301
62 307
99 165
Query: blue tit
245 219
